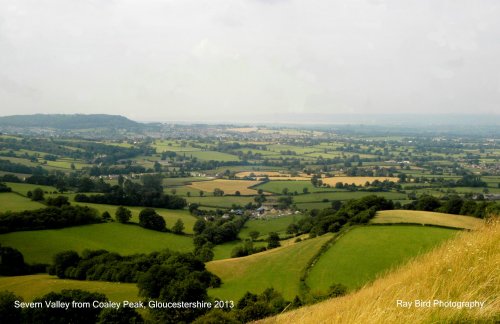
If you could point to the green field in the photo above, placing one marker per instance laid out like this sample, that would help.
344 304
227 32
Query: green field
366 252
318 197
40 246
277 186
211 155
38 285
264 226
424 217
14 202
279 268
223 251
221 202
23 188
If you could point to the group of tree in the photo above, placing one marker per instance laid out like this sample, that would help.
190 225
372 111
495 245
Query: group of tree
355 211
46 218
149 194
218 231
77 315
12 263
454 204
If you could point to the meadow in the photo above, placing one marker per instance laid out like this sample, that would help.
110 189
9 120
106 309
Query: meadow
265 226
31 286
14 202
228 186
40 246
277 186
279 268
363 253
427 218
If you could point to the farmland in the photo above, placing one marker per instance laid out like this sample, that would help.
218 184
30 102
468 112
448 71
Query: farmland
15 202
40 246
364 253
358 181
29 287
228 186
426 218
264 226
279 268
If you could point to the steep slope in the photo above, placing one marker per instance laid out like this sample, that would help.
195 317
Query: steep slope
465 269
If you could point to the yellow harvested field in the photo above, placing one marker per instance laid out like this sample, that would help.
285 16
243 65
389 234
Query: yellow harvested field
424 217
356 180
228 186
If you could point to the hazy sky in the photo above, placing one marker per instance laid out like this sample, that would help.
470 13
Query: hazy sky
203 60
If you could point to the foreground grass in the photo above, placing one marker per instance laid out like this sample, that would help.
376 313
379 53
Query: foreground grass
364 252
14 202
463 269
279 268
29 287
40 246
427 218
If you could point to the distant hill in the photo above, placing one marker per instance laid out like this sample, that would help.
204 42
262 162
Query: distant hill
67 122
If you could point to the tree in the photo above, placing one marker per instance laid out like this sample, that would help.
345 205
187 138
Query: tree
37 194
11 262
8 312
254 235
123 214
148 218
273 240
58 201
62 261
178 227
199 226
305 190
122 315
237 193
218 192
201 193
106 216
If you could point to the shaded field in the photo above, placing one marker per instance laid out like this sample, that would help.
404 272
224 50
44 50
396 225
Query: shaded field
363 253
228 186
223 251
279 268
424 217
463 269
14 202
40 246
33 286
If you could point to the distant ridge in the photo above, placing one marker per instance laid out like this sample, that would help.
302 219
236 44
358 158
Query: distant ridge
66 122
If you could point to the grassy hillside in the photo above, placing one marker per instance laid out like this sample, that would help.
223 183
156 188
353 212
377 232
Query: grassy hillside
33 286
463 269
40 246
279 268
364 252
424 217
14 202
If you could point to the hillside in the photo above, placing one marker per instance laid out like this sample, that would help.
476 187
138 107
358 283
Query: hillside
463 269
426 218
67 122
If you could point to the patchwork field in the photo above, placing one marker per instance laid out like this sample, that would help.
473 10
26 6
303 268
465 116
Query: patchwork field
40 246
228 186
33 286
423 217
358 181
365 252
279 268
14 202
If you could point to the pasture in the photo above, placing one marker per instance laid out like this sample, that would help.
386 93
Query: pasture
40 246
279 268
426 218
14 202
365 252
228 186
23 188
292 186
265 226
29 287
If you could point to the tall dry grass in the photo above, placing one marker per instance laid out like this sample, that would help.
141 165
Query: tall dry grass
463 269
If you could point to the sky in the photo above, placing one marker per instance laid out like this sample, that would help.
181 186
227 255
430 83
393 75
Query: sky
230 60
